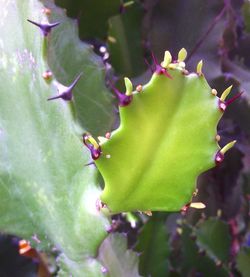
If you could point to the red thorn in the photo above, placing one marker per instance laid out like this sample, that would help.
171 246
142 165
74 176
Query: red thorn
219 157
123 99
234 98
185 208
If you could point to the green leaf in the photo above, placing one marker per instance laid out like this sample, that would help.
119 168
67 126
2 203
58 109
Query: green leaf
67 57
92 15
195 262
243 262
214 237
45 189
115 257
126 50
153 244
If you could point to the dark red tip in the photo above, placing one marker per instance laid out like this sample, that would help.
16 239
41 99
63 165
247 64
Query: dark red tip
185 208
123 99
219 157
228 102
45 27
224 104
158 69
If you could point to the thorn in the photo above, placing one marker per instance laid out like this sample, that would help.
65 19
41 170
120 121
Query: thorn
123 6
214 92
129 86
139 88
92 145
230 101
199 68
47 75
123 99
149 65
224 104
90 163
159 70
182 55
225 93
228 146
219 157
45 27
197 205
65 93
167 59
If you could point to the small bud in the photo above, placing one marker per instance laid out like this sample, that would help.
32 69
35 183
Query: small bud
123 99
182 55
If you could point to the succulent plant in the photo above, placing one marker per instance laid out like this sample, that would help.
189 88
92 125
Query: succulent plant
164 124
60 198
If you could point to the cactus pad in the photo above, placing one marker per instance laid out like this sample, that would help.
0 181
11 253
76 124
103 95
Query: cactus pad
166 139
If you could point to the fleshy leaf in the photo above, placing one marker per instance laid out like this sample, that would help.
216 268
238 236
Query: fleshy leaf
243 262
68 57
116 259
46 192
213 236
166 138
153 244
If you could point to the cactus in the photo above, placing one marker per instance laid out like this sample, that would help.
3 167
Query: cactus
164 124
